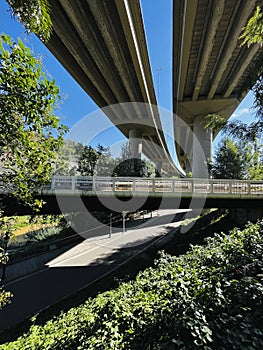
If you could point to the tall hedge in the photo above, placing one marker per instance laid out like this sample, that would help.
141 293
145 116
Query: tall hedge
209 298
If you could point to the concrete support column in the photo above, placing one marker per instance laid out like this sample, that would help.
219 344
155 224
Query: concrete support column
135 143
158 169
202 148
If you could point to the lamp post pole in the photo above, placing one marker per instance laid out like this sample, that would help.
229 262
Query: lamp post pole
110 226
123 220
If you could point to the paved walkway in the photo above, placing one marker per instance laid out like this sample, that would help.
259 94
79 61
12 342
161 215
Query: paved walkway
62 272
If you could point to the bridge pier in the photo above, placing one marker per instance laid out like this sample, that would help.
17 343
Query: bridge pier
135 143
135 149
202 148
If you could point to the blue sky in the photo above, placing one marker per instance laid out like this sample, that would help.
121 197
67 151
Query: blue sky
76 103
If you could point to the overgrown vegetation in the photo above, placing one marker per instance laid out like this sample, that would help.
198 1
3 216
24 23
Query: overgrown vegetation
208 298
35 16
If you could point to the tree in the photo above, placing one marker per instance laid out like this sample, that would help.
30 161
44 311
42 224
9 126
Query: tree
105 164
127 166
228 162
87 161
30 133
34 15
66 162
249 138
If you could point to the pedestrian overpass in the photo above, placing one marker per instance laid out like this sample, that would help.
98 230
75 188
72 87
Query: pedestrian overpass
75 194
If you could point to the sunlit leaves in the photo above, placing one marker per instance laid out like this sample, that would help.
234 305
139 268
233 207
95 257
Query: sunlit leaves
253 31
35 16
30 133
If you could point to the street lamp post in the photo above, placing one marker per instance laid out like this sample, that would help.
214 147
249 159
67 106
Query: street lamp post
110 226
123 220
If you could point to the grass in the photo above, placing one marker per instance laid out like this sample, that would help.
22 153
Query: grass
30 228
23 224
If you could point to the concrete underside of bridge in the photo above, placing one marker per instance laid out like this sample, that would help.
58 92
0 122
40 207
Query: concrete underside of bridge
210 70
102 44
72 204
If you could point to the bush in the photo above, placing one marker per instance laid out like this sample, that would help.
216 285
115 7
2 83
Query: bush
209 298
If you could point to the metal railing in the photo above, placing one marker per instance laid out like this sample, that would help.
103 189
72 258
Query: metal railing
154 185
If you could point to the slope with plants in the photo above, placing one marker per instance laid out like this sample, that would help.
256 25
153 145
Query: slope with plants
208 298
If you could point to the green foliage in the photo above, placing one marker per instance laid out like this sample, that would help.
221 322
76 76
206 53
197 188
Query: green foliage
228 162
87 161
209 298
35 16
5 296
99 162
133 167
5 234
253 31
126 166
105 164
258 102
30 134
239 160
45 234
215 122
66 162
96 161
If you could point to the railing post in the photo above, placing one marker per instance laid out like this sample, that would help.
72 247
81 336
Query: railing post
192 183
212 185
73 183
52 183
173 185
133 186
113 184
249 187
230 186
153 185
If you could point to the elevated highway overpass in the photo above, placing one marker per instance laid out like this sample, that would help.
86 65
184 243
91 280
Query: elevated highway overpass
103 46
210 69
